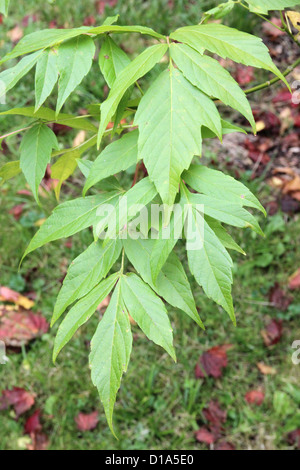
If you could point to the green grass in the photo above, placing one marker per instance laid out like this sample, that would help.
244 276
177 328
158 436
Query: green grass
160 403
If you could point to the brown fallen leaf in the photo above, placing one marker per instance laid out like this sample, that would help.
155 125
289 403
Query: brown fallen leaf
294 438
279 298
19 398
273 332
266 370
9 295
87 422
39 441
294 280
212 362
255 397
18 327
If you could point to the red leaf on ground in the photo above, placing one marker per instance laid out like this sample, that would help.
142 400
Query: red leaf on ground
33 424
19 398
279 298
244 75
224 446
39 441
87 422
214 415
90 21
205 436
271 30
273 332
294 438
294 281
212 362
18 327
9 295
17 211
255 397
24 192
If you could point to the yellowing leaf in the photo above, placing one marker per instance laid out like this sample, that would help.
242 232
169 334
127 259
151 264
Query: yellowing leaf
294 18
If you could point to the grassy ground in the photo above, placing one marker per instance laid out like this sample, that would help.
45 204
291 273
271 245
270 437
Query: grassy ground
160 403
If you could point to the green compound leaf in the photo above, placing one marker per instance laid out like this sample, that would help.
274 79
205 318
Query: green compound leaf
69 218
85 272
171 284
36 148
116 157
228 43
264 6
4 5
148 311
227 212
9 170
112 60
110 352
220 186
82 312
74 61
53 37
223 235
170 116
76 122
209 262
45 77
10 77
211 78
135 70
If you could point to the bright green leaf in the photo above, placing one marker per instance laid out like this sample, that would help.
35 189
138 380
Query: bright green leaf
116 157
76 122
110 352
220 186
10 77
228 212
228 43
4 4
171 284
74 61
112 60
135 70
85 272
170 116
36 149
82 312
9 170
45 77
148 311
223 235
263 6
68 218
209 262
209 76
